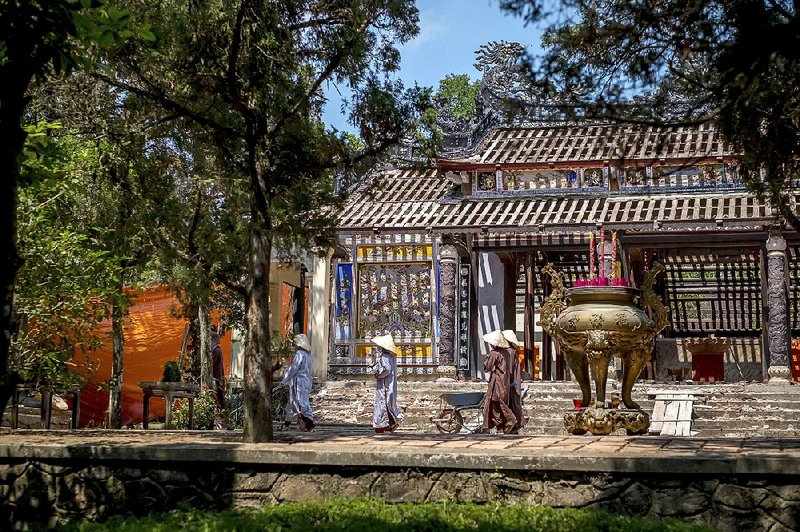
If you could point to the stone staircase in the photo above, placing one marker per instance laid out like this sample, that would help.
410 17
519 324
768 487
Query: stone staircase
720 410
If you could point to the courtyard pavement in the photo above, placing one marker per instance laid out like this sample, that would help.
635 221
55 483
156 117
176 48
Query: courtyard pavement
355 446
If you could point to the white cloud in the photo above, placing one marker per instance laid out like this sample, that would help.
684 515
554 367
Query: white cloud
432 25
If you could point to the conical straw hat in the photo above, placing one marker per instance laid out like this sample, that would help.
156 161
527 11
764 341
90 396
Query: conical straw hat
511 336
386 341
301 341
496 339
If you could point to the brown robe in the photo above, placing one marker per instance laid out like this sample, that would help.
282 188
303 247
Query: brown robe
218 373
496 412
515 392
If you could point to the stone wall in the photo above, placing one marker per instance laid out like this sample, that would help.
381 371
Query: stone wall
51 491
742 360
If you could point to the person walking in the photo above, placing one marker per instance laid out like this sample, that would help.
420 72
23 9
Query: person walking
298 380
217 368
496 413
515 378
386 416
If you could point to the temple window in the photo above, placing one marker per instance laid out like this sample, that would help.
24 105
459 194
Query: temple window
680 176
593 177
487 182
635 176
539 180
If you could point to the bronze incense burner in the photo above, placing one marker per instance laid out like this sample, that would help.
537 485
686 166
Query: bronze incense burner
593 323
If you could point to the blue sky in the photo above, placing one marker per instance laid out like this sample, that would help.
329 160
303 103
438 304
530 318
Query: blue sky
450 32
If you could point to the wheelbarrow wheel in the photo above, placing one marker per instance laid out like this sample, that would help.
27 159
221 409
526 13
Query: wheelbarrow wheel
449 421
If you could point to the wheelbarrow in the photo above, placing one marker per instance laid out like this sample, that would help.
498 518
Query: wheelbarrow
460 411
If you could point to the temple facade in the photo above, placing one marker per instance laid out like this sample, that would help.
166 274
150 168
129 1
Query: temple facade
438 256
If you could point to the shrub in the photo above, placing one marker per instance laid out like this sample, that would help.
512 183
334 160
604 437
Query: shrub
234 408
233 413
206 412
171 372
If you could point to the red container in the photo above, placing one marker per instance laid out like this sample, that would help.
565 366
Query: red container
577 403
708 367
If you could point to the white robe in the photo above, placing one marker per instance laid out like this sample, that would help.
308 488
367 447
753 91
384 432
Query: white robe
298 379
385 371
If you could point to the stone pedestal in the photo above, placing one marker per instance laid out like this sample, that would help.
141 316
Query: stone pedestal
601 421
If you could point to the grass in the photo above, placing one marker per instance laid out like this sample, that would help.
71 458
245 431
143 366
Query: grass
372 514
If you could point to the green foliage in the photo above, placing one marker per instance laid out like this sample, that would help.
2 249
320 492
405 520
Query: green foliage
371 514
171 372
281 346
60 292
63 30
234 408
206 412
457 95
36 37
233 413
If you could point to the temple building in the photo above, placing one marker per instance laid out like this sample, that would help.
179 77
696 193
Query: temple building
440 255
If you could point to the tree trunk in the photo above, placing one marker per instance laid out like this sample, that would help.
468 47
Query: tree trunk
12 107
115 387
257 359
205 347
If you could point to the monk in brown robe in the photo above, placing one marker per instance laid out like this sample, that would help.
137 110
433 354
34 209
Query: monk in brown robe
496 413
515 380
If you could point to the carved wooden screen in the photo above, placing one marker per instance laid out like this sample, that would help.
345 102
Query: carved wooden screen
794 289
288 309
714 293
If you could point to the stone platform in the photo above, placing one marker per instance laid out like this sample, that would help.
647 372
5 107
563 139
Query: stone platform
731 484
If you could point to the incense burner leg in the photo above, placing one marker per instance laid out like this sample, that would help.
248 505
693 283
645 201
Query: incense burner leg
579 365
599 361
634 362
598 353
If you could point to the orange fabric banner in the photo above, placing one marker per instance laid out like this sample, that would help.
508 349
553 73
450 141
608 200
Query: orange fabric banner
153 336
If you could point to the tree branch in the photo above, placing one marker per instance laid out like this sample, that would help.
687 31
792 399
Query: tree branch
167 103
315 22
329 69
233 59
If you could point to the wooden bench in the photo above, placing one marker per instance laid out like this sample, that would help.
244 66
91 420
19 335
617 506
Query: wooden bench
169 391
46 409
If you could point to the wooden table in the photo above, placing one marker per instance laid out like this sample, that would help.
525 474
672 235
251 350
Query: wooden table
169 391
46 409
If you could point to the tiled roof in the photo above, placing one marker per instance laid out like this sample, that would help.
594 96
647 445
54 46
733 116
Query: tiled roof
408 200
568 144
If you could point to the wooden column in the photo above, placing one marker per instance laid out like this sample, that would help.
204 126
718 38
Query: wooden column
547 345
530 313
448 262
778 332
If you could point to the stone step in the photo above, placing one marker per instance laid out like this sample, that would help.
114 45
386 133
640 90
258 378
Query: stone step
720 409
764 410
751 406
550 403
726 433
754 423
568 395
